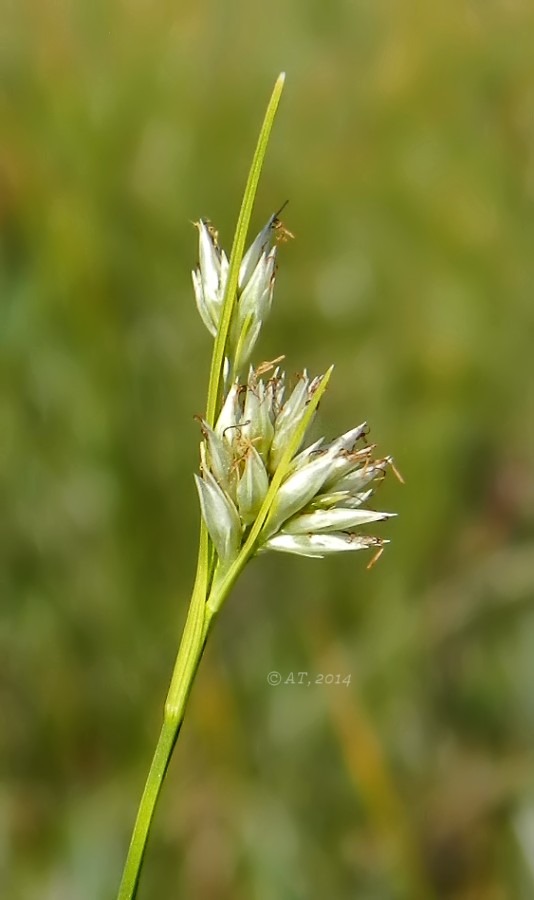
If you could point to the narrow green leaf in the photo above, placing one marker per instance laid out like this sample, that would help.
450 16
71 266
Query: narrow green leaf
238 247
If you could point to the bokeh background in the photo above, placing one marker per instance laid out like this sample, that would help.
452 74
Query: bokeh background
405 144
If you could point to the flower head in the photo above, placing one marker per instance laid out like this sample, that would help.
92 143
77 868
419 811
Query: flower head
255 286
321 503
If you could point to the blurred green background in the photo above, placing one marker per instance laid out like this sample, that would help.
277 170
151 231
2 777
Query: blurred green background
405 144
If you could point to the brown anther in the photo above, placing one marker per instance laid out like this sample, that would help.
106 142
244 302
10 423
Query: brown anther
375 558
363 452
396 472
244 447
267 366
212 231
282 234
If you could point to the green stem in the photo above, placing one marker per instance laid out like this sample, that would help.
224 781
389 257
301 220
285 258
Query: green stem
201 613
160 762
191 650
189 656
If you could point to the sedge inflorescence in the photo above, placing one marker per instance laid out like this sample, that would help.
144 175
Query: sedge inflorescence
321 502
261 487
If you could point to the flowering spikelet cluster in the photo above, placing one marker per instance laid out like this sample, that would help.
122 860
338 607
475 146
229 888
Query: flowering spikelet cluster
322 497
255 287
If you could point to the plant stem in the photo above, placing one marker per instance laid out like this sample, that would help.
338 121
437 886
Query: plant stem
158 768
201 614
187 662
189 656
